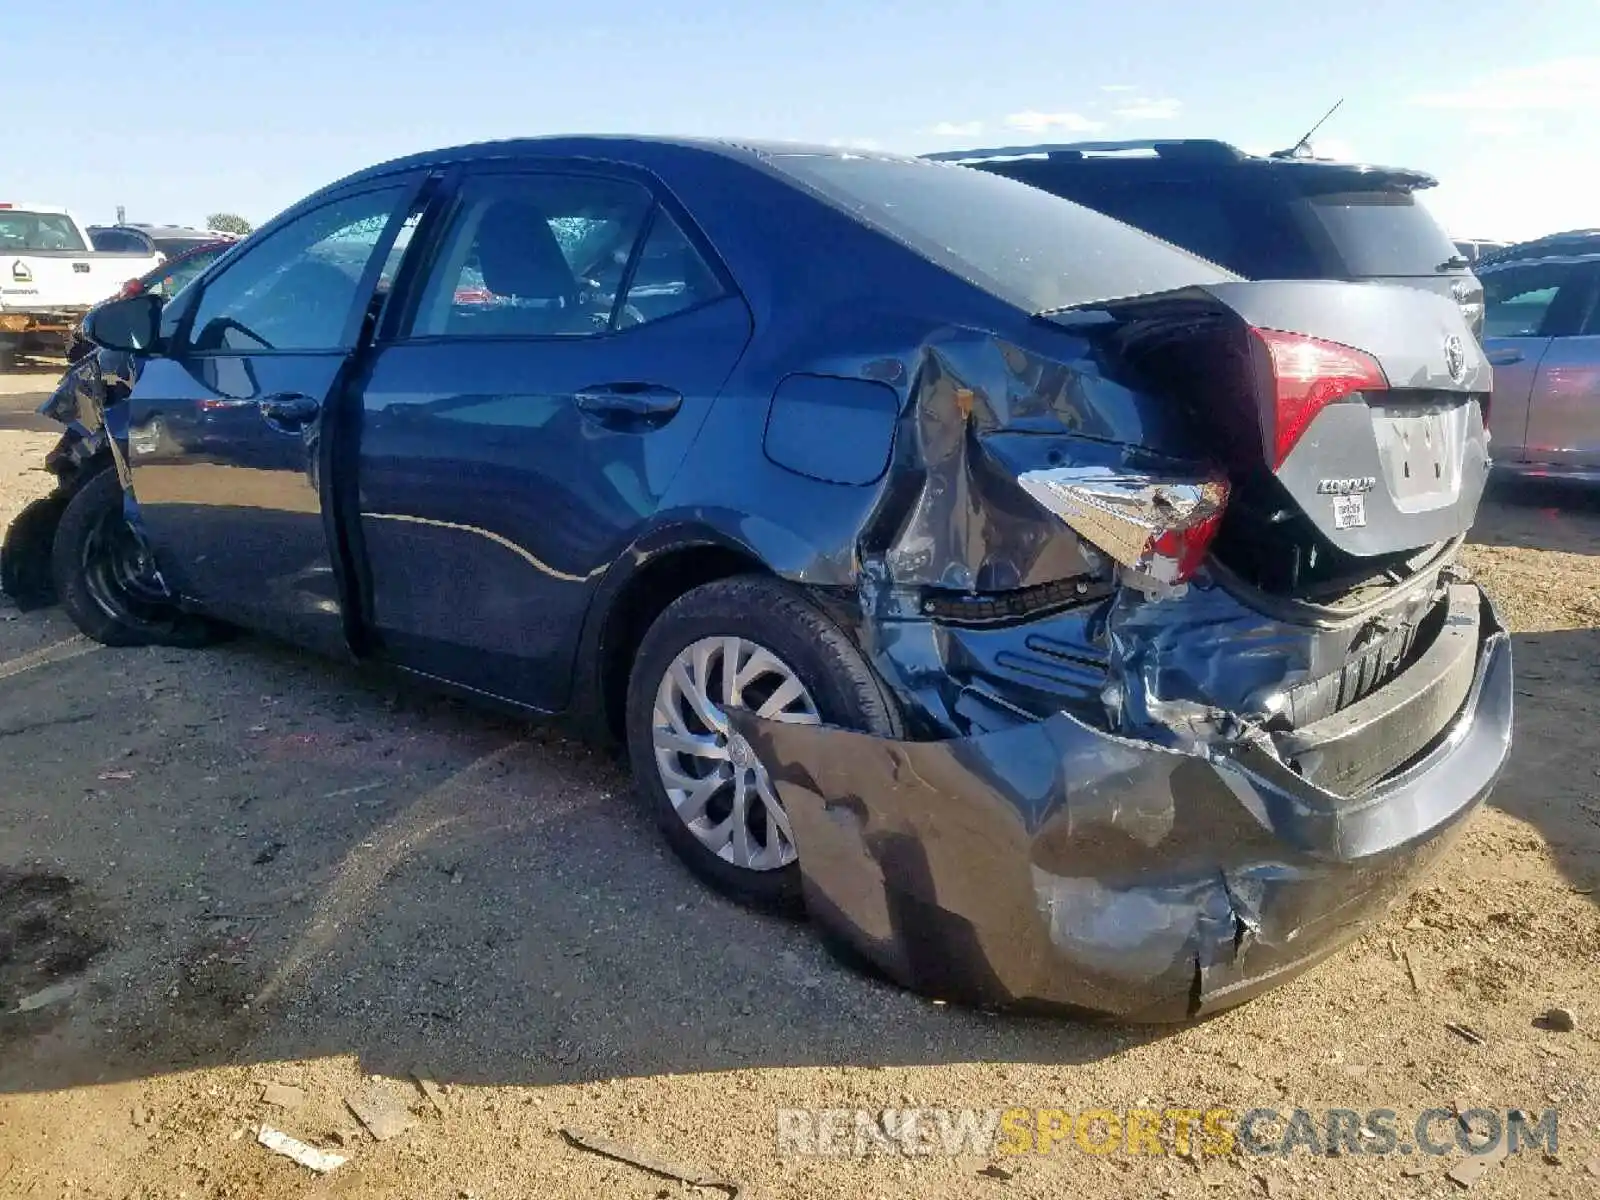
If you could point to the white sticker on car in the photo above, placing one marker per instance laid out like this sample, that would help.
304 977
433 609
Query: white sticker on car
1349 511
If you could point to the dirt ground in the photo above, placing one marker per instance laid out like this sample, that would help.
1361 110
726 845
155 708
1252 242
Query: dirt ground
225 869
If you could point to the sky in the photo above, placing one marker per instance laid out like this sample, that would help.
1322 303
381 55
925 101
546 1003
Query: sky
176 109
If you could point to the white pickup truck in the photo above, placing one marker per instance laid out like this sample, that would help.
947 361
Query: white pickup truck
50 277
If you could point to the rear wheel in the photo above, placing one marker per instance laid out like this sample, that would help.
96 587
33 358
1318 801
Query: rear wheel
105 579
753 643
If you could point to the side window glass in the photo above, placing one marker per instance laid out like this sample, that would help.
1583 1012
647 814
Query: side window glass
296 290
1591 287
532 256
1517 301
669 277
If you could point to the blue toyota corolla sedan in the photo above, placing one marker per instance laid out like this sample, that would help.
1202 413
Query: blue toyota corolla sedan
1058 618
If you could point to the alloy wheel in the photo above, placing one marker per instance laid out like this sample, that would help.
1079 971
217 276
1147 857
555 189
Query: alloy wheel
717 786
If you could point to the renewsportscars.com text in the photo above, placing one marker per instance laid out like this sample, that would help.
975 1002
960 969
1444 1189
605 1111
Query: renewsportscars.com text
1211 1132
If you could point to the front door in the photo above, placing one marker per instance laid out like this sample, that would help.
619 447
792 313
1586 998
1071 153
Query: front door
226 431
1564 413
1528 309
527 416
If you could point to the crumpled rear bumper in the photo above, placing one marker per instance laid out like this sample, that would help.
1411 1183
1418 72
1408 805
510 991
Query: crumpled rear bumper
1058 866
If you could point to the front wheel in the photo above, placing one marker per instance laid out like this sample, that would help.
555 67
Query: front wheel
105 579
759 644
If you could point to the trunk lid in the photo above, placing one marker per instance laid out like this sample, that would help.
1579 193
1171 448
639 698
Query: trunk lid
1461 287
1349 416
1414 453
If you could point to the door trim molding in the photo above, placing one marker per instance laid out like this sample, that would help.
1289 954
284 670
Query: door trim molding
499 540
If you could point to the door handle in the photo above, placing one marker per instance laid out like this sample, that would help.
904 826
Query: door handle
288 410
1504 358
646 402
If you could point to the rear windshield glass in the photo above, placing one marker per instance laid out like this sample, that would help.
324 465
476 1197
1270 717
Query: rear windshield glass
1233 222
23 231
1382 233
1024 245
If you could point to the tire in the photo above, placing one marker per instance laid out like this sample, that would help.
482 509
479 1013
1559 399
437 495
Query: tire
839 688
89 566
8 355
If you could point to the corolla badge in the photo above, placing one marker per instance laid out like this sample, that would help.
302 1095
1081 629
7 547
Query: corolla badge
1348 486
1455 358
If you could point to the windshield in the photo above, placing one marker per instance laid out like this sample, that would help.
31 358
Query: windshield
25 231
173 276
174 246
1383 233
1023 245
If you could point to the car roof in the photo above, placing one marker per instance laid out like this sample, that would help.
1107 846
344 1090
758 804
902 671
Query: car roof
1576 247
184 231
614 147
1573 244
1184 152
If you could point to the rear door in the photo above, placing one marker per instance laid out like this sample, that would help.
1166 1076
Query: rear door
226 433
523 417
1529 308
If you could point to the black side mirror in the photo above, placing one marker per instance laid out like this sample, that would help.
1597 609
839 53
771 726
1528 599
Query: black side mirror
132 325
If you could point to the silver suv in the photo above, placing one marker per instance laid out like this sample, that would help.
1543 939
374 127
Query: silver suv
1542 334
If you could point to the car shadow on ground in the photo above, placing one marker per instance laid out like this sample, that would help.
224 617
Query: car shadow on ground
246 855
1553 779
18 408
1539 514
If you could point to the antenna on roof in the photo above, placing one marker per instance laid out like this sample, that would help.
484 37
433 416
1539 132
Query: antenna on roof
1306 137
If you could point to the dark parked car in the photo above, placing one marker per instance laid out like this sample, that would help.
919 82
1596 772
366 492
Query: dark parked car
1265 216
1062 619
1542 334
171 240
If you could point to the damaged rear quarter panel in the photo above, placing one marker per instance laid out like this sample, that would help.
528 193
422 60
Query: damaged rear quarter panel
983 410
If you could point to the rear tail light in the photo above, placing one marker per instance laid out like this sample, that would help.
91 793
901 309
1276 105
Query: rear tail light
1158 526
1308 374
